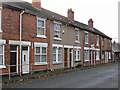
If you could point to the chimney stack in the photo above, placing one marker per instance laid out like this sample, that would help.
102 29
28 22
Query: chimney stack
71 14
36 3
90 23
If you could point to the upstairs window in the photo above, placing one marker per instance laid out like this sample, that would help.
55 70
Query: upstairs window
76 35
57 30
1 54
86 38
109 43
0 18
40 27
103 42
97 40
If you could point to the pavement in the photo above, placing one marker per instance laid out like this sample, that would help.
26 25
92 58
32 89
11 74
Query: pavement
100 77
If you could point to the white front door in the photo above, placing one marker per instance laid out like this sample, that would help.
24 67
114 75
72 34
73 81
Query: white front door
25 62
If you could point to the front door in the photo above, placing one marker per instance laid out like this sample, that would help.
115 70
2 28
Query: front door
71 58
13 59
65 57
25 62
93 58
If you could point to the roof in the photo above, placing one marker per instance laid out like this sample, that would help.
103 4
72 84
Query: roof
116 47
43 13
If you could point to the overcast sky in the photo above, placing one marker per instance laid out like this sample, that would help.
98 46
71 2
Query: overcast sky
103 12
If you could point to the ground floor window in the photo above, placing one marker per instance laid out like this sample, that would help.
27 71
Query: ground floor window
103 55
77 55
109 55
57 54
86 55
40 54
97 55
1 54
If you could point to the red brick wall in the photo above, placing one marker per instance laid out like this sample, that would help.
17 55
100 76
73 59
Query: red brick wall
11 29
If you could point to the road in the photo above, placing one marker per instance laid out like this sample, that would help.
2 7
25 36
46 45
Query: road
100 77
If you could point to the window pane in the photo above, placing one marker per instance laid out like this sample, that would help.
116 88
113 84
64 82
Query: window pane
1 59
1 49
78 55
59 57
13 48
54 57
57 34
57 27
40 23
75 55
59 50
37 49
44 50
40 31
37 58
54 50
43 59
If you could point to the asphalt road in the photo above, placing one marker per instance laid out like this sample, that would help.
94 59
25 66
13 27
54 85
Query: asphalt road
100 77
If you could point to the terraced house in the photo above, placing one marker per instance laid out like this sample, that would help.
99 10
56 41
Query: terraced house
33 38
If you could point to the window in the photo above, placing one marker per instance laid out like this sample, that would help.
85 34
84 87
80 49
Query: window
97 40
1 54
97 55
103 42
0 18
109 55
57 54
86 55
57 30
77 55
40 55
76 35
109 43
103 53
86 38
40 27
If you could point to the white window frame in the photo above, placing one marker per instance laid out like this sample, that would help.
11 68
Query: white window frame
87 38
97 55
41 36
57 61
1 19
40 45
97 40
77 30
77 59
87 56
59 37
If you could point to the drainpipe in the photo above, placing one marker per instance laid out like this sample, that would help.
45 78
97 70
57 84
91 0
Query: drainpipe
20 39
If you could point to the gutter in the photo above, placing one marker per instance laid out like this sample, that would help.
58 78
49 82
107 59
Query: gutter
20 39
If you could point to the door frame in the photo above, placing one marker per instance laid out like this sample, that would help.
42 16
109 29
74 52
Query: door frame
28 59
71 57
16 59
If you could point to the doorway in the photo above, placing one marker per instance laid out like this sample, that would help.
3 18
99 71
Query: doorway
65 57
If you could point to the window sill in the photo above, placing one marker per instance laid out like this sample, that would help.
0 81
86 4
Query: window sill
37 64
57 62
86 60
77 42
59 39
2 66
41 36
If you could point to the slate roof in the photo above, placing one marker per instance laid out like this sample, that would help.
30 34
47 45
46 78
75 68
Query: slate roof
43 13
116 47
